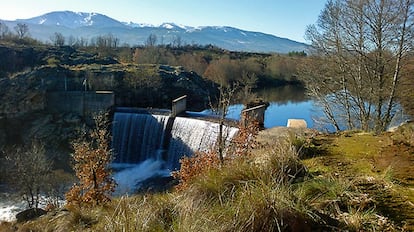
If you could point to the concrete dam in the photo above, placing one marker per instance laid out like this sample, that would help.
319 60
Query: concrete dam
138 137
148 143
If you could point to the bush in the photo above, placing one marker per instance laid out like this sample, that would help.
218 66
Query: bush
92 156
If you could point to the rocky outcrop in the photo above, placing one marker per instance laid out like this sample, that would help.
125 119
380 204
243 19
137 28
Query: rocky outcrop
22 58
25 114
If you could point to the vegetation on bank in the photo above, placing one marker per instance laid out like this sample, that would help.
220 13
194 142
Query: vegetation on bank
206 60
293 180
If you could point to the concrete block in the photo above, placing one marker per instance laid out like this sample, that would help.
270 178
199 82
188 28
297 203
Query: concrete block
297 123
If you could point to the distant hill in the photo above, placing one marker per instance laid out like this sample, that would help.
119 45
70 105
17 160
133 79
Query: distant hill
89 25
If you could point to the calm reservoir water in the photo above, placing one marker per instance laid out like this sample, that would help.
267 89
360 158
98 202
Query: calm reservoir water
287 102
277 114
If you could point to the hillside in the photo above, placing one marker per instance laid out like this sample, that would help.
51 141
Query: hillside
90 25
35 80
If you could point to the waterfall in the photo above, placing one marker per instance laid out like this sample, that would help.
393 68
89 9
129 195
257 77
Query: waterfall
147 145
193 135
137 137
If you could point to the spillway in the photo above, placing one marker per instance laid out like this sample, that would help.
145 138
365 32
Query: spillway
142 139
138 137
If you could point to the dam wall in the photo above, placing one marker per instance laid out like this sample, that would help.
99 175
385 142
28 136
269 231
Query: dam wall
83 103
256 113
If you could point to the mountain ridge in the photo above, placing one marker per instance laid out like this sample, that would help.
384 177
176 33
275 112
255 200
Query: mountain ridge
90 25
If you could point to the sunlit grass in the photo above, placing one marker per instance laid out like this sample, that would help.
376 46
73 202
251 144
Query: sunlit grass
139 213
315 167
360 145
273 190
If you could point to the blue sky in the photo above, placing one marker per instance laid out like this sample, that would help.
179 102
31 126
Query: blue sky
283 18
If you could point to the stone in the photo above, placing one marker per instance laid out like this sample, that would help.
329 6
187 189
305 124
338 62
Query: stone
297 123
30 214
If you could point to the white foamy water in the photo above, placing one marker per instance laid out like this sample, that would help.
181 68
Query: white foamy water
9 209
130 177
10 205
193 135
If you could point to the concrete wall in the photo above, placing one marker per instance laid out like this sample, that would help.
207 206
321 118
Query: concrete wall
179 106
254 113
80 102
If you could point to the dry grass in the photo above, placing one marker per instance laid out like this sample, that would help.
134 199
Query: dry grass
270 191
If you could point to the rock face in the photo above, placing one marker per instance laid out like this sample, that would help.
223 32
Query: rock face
26 88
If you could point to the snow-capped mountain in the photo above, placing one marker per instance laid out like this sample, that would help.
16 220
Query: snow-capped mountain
90 25
73 20
132 24
175 26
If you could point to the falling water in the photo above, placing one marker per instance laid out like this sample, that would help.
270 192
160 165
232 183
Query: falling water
193 135
147 145
137 137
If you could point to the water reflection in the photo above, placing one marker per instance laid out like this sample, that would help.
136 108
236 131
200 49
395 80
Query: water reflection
284 94
286 102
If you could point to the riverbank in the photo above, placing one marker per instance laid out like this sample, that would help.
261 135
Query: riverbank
349 181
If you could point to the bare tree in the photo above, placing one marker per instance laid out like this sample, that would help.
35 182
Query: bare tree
28 171
81 42
193 62
176 41
22 30
71 40
248 81
360 49
4 30
151 40
58 39
148 55
107 41
225 98
224 70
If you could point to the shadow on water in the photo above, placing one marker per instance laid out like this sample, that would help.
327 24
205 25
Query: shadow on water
283 94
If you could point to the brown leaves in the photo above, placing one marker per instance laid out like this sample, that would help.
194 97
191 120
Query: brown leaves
194 166
202 162
245 140
91 159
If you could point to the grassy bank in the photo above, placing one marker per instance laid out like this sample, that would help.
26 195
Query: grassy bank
294 181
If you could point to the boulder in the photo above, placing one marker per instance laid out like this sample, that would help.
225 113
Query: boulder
297 123
30 214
